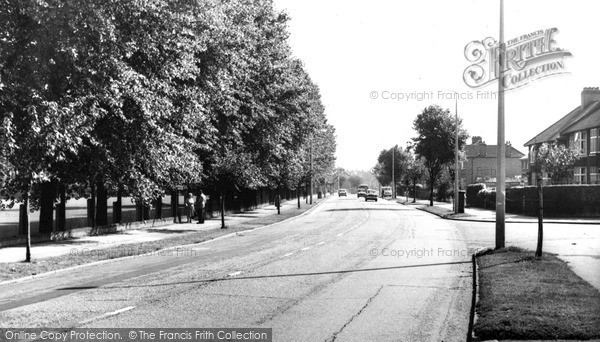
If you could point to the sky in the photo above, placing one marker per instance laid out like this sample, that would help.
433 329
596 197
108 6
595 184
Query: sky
359 53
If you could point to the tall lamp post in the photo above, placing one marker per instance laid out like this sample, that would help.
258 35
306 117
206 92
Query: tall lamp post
500 160
393 167
311 170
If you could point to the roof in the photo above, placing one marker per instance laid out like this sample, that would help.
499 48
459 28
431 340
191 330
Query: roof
489 151
591 119
577 119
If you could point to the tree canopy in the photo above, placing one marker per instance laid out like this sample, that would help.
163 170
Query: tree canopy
154 95
435 141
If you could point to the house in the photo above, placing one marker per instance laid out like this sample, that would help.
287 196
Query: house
480 166
579 129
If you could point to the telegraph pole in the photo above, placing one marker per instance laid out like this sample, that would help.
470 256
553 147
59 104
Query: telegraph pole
501 151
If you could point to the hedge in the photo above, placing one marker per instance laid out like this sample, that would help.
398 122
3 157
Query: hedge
472 191
559 200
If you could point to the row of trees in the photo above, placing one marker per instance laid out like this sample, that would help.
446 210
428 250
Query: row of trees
429 156
138 97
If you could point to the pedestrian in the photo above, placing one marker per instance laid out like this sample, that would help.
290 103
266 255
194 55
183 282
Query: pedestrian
189 205
201 204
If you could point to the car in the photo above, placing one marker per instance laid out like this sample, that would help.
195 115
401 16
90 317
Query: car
342 192
386 191
371 195
361 190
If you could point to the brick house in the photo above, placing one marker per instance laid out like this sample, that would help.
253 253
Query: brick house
480 166
579 129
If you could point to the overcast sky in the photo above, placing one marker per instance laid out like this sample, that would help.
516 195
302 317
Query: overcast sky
354 48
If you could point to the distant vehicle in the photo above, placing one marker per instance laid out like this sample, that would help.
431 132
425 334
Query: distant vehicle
386 191
361 190
371 195
342 192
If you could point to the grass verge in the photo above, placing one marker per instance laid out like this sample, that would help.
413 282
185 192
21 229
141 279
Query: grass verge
15 270
523 298
443 212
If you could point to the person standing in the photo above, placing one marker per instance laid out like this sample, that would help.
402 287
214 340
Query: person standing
201 204
189 205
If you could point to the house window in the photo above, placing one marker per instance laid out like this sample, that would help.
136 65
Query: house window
572 141
580 175
532 155
582 145
594 175
594 141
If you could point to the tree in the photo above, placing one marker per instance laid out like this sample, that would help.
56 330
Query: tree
436 141
355 181
383 168
415 173
557 160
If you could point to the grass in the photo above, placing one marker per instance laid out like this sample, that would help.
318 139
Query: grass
15 270
521 297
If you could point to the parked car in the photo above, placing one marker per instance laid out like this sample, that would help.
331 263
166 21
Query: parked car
361 190
386 191
342 192
371 195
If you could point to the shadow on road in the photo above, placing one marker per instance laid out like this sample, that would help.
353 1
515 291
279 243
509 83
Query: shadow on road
370 209
287 275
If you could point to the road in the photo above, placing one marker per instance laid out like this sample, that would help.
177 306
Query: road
345 271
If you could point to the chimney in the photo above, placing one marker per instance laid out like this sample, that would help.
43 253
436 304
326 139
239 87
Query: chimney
508 151
589 95
476 140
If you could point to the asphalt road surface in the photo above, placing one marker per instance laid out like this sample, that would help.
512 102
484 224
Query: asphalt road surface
345 271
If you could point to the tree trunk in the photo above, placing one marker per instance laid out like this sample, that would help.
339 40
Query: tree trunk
46 223
222 200
27 228
159 206
538 251
61 209
91 207
118 206
101 205
298 193
431 193
278 203
174 204
414 193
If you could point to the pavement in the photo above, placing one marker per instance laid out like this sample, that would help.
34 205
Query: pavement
445 210
94 244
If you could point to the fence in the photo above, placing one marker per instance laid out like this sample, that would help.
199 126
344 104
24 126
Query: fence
78 213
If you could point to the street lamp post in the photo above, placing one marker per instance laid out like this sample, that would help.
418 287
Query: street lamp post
501 150
311 171
393 167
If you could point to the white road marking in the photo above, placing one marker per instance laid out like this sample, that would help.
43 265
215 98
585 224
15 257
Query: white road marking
287 255
108 314
340 234
305 249
234 274
321 243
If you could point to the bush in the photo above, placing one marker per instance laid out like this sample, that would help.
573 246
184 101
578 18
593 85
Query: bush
442 192
472 191
487 199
